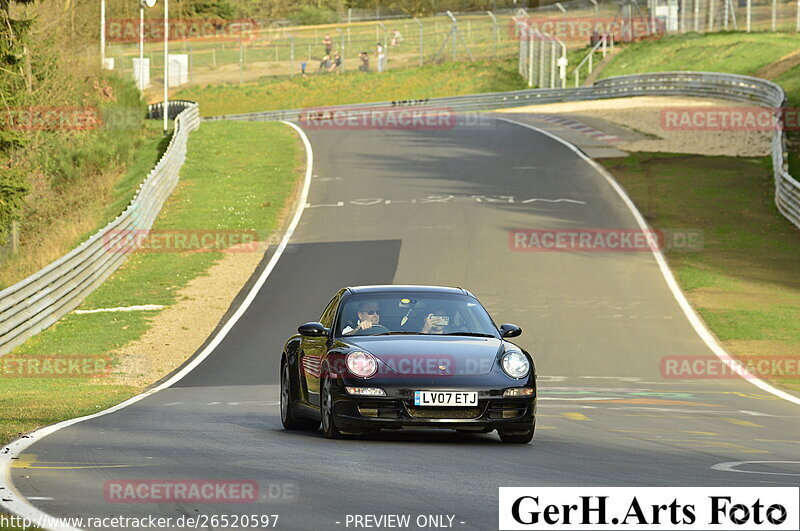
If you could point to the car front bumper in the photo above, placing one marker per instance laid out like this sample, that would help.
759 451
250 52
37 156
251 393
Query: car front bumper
397 410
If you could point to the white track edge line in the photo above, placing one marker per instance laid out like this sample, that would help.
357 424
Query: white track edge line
690 313
18 504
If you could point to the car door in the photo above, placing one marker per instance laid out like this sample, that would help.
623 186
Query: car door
312 354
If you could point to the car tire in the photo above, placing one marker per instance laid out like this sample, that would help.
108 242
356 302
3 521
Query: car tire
328 422
518 438
288 419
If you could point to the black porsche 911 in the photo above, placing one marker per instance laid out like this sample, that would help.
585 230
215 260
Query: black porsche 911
391 357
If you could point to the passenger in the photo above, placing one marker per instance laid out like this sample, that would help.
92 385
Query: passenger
436 322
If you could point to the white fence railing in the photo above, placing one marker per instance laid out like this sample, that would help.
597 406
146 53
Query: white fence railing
30 306
745 89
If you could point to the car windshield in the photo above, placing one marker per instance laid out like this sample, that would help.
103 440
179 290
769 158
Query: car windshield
414 313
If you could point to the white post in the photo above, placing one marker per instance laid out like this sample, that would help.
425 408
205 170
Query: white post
102 33
749 10
697 15
166 65
141 46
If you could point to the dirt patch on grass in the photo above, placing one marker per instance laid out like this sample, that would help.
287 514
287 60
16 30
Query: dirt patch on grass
178 331
782 65
644 115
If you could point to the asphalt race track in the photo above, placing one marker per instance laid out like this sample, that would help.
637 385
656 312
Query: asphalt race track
436 207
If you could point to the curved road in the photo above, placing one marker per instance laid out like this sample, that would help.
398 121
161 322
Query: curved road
436 207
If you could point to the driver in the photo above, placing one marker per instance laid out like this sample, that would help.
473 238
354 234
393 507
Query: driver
436 322
369 315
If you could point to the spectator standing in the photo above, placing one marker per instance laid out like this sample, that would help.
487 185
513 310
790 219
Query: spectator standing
328 42
364 66
381 57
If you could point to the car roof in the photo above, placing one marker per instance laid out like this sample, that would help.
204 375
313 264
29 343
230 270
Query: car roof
390 288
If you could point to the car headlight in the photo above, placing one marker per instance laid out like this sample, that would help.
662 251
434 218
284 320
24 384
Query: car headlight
516 364
362 364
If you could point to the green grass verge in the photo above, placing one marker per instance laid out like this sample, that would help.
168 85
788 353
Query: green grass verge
429 81
237 176
744 281
735 53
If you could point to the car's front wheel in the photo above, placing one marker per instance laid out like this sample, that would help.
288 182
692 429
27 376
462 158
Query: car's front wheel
518 437
288 419
326 411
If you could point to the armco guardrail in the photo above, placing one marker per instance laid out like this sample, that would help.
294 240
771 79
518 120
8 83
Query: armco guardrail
30 306
744 89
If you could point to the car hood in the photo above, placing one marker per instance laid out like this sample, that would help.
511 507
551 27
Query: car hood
426 355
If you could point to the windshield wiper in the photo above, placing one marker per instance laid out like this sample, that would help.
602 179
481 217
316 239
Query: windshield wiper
471 334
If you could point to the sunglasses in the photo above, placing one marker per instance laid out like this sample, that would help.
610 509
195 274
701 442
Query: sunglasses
371 312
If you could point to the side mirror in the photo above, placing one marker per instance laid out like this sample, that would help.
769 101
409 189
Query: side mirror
313 330
510 330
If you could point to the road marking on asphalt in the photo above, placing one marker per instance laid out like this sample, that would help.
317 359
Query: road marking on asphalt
710 433
31 461
445 199
697 323
655 402
575 416
740 422
40 498
730 466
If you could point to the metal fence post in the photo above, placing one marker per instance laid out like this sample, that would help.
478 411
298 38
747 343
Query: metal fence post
542 48
494 31
420 40
710 15
341 40
697 15
797 21
774 14
530 56
725 14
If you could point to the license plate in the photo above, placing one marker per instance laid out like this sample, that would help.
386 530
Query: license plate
445 398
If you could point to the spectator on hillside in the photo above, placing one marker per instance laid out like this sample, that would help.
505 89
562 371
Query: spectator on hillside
325 64
328 42
337 63
364 66
397 38
381 57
